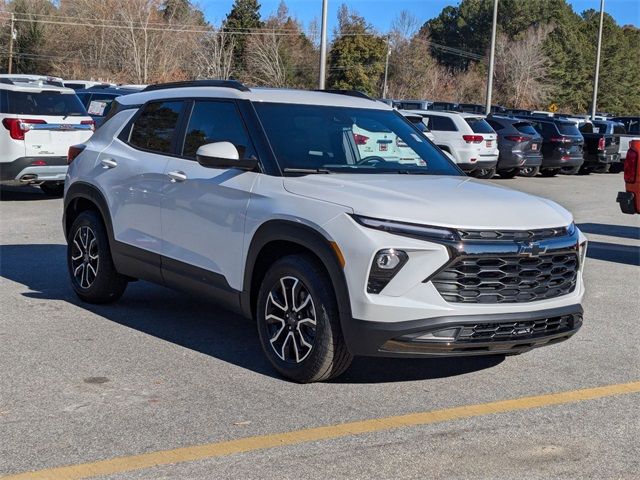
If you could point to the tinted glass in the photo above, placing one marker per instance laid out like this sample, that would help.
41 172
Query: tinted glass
349 140
586 128
84 98
100 104
155 127
443 124
216 122
619 129
479 125
75 86
46 102
495 125
524 127
568 128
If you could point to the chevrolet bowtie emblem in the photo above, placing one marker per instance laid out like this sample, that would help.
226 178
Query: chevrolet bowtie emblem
531 249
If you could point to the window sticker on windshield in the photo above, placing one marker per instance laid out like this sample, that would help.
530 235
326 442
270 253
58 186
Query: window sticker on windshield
96 107
416 137
596 129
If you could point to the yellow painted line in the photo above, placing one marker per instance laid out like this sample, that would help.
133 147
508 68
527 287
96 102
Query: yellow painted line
249 444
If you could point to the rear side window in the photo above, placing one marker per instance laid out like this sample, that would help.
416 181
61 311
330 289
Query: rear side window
100 104
155 127
619 130
443 124
568 128
586 128
525 127
216 122
479 125
45 102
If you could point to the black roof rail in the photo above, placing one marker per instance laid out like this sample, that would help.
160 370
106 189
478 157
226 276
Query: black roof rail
199 83
349 93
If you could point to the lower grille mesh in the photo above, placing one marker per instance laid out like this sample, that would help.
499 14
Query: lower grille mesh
515 330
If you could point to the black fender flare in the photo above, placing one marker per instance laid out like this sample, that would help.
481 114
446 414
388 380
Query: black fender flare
86 191
307 237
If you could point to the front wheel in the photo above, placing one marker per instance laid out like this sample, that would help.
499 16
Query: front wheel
484 173
298 321
93 275
529 171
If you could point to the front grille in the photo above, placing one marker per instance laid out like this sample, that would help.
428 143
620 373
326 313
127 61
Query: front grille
508 279
522 330
516 235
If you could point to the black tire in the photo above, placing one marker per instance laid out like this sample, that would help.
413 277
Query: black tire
328 356
52 189
585 170
570 170
602 168
99 281
529 171
508 173
616 167
549 172
484 173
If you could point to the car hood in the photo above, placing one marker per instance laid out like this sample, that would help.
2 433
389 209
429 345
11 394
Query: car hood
448 201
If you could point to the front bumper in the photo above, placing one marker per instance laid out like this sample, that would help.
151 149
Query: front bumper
26 170
483 334
627 202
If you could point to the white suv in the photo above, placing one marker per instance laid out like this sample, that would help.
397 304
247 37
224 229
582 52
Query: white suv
40 120
263 200
468 138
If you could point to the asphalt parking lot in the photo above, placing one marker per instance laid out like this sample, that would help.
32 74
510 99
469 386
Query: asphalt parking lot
98 387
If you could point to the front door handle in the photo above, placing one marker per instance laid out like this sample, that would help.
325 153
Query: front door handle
108 163
177 176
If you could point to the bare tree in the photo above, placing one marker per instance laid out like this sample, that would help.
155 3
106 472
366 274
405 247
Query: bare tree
214 55
265 65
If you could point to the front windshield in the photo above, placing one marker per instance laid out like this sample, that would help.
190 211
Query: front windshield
349 140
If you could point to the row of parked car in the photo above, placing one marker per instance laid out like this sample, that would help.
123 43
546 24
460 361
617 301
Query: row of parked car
44 116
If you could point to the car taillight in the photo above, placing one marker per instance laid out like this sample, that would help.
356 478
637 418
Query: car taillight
19 126
74 151
601 143
473 138
561 139
360 139
631 166
89 122
516 138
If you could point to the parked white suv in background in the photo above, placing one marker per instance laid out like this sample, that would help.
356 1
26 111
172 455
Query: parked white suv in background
264 200
468 138
40 121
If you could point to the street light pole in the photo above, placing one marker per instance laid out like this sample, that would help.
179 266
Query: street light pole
323 46
386 68
492 57
11 34
597 72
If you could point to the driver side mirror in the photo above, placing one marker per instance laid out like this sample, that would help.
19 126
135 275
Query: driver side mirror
223 155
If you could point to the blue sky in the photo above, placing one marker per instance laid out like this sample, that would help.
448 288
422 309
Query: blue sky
381 12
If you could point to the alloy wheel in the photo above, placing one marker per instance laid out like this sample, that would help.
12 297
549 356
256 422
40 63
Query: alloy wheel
85 259
290 317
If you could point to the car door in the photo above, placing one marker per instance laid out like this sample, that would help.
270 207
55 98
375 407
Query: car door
203 210
133 174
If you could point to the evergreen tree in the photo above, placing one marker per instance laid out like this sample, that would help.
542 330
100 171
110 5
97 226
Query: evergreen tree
243 17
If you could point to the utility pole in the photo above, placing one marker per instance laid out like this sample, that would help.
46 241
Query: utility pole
323 46
492 56
597 73
11 37
386 68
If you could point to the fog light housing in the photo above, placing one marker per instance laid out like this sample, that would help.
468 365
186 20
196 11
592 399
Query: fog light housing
446 334
386 263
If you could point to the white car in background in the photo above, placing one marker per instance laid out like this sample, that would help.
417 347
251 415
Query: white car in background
468 138
84 84
40 121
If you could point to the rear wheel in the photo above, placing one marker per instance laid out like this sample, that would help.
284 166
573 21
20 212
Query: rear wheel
529 171
616 167
549 172
52 189
298 321
484 172
584 170
93 275
570 170
602 168
508 173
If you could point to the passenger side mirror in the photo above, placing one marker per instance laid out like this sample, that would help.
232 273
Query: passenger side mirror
223 155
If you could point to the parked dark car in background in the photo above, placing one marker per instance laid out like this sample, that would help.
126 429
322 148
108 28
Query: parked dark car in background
97 100
519 145
447 106
562 145
601 145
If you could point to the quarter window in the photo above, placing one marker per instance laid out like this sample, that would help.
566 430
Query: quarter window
216 122
155 128
443 124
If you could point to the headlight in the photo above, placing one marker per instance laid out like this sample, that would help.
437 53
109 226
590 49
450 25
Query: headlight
423 232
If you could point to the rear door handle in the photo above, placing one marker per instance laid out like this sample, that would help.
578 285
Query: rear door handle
177 176
108 163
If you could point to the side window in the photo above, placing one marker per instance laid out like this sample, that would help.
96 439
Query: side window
154 129
586 128
213 121
443 124
495 125
548 129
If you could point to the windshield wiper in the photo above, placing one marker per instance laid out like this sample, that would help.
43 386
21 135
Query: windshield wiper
306 170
